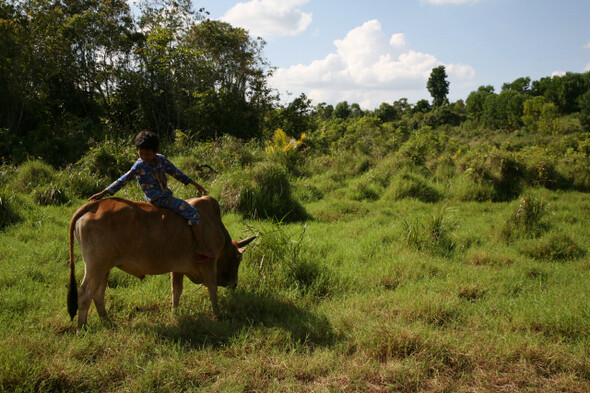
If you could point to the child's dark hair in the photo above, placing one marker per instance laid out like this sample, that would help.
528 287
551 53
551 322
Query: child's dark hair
147 140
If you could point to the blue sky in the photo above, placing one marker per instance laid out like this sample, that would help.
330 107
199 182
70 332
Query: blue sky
374 51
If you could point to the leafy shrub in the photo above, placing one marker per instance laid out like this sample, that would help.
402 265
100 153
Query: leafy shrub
554 247
32 174
541 169
435 235
407 184
49 195
526 221
421 145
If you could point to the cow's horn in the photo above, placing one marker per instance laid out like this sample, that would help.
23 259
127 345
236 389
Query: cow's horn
245 242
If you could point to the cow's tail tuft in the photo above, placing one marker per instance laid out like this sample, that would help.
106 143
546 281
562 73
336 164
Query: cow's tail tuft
73 286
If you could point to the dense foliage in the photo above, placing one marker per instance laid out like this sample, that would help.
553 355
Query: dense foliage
73 73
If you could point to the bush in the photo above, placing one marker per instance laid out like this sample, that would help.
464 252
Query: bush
494 175
79 183
32 174
308 192
434 236
554 247
282 260
407 184
526 221
465 189
49 195
365 188
108 160
541 170
8 214
264 192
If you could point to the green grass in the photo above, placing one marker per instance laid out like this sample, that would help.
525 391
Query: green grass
368 294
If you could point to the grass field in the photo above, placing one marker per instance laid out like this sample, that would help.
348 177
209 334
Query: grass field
373 292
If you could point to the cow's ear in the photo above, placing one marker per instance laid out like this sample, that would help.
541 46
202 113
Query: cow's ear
243 243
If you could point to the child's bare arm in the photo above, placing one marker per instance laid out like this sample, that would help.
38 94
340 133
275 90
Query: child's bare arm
98 196
199 188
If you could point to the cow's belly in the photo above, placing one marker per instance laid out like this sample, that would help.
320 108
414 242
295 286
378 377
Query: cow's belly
141 267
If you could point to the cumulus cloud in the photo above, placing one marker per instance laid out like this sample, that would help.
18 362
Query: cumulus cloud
270 18
368 67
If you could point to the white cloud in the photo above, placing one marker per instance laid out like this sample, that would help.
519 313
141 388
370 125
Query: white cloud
557 73
369 68
270 18
587 68
587 46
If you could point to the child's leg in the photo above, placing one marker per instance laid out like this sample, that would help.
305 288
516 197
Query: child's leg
194 221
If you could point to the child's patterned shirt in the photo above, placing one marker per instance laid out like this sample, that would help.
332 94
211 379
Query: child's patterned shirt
151 179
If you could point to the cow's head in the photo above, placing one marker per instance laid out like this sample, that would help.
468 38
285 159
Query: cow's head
229 262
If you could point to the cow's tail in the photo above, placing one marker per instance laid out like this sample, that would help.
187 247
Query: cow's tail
73 286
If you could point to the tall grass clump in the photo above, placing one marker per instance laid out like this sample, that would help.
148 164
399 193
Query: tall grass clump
80 182
32 174
489 174
527 220
466 188
406 183
108 160
281 259
50 194
553 247
8 214
433 234
263 192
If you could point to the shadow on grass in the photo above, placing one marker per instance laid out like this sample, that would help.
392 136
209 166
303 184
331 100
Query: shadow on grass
247 314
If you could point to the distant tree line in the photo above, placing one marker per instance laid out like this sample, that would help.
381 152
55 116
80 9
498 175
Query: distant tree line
73 71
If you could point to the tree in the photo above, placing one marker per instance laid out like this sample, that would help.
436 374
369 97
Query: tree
422 106
520 85
438 86
476 100
342 110
386 112
584 102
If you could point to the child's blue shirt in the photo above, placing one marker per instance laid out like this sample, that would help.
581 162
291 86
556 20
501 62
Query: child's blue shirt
151 178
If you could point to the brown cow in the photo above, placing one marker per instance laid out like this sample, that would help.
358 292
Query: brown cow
142 239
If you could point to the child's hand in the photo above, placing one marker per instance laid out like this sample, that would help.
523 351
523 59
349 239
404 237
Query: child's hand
200 189
98 196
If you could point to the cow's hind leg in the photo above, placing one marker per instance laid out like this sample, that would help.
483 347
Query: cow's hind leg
88 289
176 282
99 297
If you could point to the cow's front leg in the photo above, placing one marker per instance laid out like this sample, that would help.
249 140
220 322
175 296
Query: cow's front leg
176 280
213 296
210 281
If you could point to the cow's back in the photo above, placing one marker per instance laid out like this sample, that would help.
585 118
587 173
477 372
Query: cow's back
138 237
